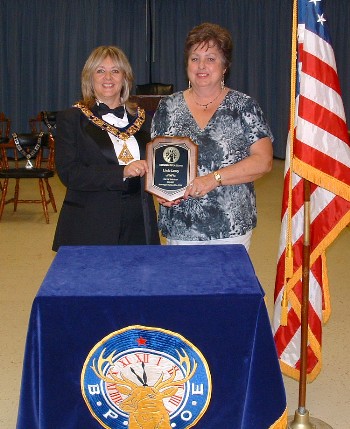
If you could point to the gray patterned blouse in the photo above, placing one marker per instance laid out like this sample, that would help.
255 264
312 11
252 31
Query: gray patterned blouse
226 211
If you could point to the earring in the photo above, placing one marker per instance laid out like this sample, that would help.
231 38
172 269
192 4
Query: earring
189 84
223 83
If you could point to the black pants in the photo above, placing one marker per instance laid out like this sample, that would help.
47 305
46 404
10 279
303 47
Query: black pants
132 227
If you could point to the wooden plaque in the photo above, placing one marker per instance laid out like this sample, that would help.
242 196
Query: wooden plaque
172 164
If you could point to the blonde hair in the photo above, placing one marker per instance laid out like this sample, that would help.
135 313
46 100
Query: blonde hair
91 64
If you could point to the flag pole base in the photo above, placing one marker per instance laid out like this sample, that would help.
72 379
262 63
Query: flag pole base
302 420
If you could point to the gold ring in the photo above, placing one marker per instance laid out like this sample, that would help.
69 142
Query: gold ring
197 193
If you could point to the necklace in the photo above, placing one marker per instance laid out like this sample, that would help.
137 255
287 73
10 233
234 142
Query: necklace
47 122
210 102
122 134
28 155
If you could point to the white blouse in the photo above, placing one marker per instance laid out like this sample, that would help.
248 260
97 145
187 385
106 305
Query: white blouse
118 143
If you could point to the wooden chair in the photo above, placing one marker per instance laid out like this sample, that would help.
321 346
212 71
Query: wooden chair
22 159
155 89
44 121
148 95
5 125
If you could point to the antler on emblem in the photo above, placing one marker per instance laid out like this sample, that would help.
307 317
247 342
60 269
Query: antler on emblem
144 403
123 381
160 384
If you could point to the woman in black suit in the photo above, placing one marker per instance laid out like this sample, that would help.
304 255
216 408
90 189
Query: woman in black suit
100 150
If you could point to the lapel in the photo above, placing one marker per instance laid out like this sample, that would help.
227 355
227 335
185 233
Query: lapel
101 138
142 137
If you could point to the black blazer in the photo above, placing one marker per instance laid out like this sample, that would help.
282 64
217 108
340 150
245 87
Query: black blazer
87 165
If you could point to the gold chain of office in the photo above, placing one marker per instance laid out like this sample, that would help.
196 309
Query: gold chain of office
123 135
32 153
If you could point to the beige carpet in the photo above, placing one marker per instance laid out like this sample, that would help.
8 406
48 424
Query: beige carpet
25 256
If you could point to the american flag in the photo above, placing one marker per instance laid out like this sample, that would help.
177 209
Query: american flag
318 151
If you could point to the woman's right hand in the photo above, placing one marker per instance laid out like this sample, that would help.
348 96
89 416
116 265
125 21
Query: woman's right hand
135 168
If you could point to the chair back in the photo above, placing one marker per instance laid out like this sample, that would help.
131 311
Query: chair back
155 89
44 121
27 156
5 125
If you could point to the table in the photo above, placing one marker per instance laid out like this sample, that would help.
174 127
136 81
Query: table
207 297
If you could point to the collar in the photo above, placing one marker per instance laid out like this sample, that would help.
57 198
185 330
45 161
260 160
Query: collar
122 133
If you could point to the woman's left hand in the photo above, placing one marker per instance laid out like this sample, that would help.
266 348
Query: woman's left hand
200 186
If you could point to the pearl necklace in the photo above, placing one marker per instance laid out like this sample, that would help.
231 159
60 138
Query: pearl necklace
210 102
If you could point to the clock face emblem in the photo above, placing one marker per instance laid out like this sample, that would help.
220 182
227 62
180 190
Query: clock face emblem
146 378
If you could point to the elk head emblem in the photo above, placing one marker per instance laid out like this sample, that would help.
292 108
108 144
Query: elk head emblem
144 403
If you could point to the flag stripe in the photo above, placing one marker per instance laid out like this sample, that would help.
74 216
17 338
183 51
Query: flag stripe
320 200
315 45
320 142
285 336
322 118
315 68
299 199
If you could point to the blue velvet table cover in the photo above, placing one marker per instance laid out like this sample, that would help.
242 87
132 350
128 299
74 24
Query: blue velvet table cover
208 294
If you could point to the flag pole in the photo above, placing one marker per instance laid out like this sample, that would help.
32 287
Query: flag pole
302 419
305 297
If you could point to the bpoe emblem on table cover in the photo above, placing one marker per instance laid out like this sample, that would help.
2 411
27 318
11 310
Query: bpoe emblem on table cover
146 378
172 165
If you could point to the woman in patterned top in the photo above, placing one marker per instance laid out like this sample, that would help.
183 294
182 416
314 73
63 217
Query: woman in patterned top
234 147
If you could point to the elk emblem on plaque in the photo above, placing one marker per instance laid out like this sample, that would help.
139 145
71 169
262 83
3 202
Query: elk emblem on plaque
142 377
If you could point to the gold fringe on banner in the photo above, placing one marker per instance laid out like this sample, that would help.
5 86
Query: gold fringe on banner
282 422
322 179
288 271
